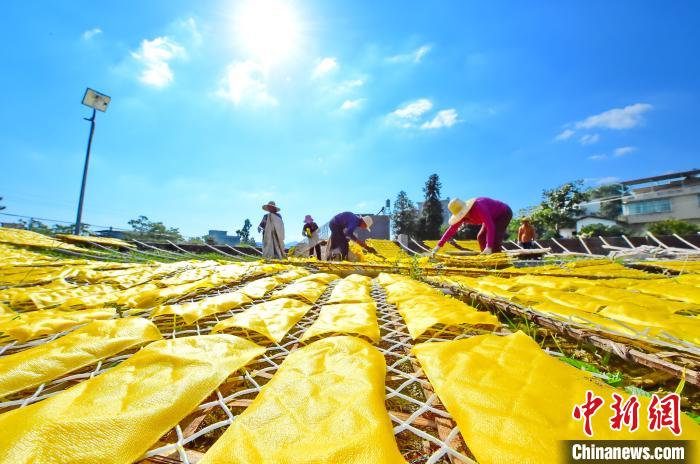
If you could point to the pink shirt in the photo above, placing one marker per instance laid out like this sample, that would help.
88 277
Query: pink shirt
483 211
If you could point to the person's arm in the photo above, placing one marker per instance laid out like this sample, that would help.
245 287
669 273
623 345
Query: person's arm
449 233
521 232
261 227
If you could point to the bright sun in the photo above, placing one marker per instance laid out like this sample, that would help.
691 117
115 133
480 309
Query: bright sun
268 29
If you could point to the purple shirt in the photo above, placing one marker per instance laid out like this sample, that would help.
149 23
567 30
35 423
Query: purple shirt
483 211
348 221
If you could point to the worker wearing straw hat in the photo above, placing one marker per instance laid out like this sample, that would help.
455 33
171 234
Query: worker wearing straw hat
343 228
493 215
272 229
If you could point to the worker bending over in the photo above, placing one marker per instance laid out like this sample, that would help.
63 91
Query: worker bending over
343 228
493 215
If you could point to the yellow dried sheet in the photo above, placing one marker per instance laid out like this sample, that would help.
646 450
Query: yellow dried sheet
87 345
670 289
194 311
513 402
575 300
618 295
423 312
70 295
258 288
309 291
352 289
149 298
272 319
27 326
352 318
116 416
323 277
325 405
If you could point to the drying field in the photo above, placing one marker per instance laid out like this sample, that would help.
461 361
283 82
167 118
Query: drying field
108 354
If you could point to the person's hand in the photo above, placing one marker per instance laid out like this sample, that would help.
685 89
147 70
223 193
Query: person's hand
434 251
260 229
371 249
487 251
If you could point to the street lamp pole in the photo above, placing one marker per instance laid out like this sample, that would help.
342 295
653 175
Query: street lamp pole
85 171
96 101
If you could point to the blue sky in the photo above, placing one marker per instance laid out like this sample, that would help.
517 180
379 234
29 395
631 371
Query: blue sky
220 106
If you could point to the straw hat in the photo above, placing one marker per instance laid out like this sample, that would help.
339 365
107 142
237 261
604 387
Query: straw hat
459 209
271 207
367 220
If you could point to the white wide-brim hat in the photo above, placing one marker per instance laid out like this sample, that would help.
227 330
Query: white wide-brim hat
459 209
368 220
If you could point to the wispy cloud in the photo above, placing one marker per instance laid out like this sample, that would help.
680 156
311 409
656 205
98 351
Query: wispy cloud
245 82
588 139
565 135
598 157
87 35
190 26
155 56
324 66
413 110
622 151
444 118
350 84
415 56
412 115
617 118
352 104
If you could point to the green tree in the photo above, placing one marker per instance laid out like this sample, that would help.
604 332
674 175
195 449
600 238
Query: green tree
145 229
244 233
559 208
36 226
612 195
431 214
673 226
601 230
405 217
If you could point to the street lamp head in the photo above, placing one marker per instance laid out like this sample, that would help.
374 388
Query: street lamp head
96 100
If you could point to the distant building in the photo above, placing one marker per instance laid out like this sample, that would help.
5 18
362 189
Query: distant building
12 225
658 198
221 237
111 233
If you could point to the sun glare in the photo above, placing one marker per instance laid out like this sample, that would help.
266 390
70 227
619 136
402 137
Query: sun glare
268 29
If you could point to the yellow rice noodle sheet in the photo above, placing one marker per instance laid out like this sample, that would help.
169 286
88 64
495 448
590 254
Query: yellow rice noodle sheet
557 283
309 291
194 311
513 402
407 290
670 289
423 312
353 289
618 295
348 318
20 296
153 296
325 405
258 288
323 277
575 300
71 296
272 319
27 326
5 310
116 416
87 345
